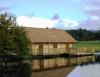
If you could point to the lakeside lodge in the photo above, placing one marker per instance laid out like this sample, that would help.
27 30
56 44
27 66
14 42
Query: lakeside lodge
52 48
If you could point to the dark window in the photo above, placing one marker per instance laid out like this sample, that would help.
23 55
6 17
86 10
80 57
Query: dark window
55 46
41 48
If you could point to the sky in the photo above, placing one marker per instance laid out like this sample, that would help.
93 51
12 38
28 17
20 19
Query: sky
63 14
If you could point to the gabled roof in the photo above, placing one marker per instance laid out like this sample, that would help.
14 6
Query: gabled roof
43 35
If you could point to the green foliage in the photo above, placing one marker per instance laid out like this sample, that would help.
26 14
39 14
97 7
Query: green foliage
89 44
13 39
22 42
85 35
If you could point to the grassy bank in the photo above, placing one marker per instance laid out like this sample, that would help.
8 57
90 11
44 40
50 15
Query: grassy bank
89 44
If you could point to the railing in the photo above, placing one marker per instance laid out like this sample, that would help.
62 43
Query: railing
82 50
50 51
63 51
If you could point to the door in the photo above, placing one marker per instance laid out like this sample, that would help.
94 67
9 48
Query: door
41 49
41 59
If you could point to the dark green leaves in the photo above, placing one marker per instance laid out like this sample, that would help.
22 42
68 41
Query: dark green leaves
13 38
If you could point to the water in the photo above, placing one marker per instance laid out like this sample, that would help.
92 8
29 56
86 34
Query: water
90 70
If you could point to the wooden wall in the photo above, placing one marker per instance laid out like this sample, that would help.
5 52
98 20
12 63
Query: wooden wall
50 49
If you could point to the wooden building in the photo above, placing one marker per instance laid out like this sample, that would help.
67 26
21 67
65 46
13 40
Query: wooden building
50 45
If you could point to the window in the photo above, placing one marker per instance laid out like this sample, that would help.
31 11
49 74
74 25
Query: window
55 46
70 45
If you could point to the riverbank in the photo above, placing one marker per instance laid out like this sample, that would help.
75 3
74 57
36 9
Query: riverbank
60 72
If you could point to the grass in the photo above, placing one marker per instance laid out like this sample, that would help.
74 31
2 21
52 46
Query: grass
89 44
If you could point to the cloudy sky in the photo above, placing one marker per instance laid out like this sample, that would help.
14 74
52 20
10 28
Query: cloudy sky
63 14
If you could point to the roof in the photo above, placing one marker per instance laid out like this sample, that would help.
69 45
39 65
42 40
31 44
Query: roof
43 35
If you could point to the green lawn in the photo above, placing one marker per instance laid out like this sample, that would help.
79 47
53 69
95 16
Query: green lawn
89 44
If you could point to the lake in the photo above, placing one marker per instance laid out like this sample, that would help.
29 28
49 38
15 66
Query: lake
89 70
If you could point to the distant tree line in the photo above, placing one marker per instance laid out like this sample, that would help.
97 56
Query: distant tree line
85 35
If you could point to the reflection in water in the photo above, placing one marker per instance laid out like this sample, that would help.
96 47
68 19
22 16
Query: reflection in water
91 70
60 72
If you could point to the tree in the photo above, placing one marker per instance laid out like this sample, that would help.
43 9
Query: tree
14 41
13 38
85 35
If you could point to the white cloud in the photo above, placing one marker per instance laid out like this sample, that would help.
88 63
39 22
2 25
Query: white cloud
91 23
66 24
90 8
95 18
35 22
43 23
73 22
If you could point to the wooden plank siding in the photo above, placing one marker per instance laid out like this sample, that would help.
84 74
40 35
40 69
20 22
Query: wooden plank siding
49 49
58 49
